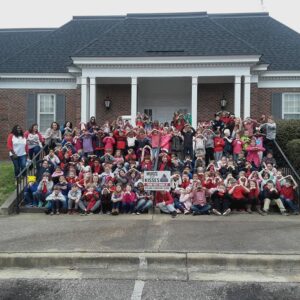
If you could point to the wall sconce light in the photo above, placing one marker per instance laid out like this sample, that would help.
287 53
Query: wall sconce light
223 102
107 102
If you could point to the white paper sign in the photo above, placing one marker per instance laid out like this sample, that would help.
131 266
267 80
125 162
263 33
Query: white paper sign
157 180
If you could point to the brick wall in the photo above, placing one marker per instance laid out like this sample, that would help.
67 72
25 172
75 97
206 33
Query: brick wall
261 99
209 96
13 110
121 101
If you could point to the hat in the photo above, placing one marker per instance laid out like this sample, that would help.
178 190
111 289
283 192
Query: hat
31 179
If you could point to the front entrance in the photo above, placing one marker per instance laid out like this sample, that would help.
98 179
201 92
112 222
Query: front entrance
164 114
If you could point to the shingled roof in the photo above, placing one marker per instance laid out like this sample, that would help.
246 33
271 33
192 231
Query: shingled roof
279 44
13 41
153 35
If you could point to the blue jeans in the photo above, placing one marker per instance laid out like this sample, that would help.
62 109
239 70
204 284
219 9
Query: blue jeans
201 210
288 203
19 164
39 197
34 151
128 207
143 205
28 197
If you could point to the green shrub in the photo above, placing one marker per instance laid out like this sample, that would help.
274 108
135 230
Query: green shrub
287 130
293 153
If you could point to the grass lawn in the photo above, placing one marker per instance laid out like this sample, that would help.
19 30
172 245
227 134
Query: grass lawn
7 180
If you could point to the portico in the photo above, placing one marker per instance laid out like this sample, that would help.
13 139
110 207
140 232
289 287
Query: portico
161 88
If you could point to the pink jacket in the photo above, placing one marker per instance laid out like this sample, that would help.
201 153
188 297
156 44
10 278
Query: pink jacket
165 141
109 142
252 154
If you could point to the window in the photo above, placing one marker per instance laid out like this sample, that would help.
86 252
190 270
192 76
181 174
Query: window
291 106
46 111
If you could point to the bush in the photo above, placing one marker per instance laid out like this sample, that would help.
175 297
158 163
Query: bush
293 153
287 130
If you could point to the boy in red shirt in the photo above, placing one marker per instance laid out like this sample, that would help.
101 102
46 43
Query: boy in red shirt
239 197
219 146
287 195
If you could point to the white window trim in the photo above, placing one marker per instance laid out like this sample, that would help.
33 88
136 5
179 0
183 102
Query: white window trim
38 107
282 105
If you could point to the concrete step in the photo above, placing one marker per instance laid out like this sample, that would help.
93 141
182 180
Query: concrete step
152 266
31 210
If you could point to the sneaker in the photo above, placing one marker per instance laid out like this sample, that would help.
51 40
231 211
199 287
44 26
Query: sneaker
138 213
227 212
261 212
174 214
216 212
186 212
295 213
249 211
284 213
108 213
57 212
265 212
40 204
52 213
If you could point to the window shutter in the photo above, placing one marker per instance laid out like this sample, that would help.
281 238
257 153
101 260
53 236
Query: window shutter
277 105
31 110
60 109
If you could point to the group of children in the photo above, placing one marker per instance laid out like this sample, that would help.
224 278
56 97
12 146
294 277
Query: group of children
221 166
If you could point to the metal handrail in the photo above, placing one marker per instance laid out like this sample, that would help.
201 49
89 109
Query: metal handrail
289 170
22 179
295 173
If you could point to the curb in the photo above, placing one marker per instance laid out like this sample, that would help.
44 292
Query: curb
189 260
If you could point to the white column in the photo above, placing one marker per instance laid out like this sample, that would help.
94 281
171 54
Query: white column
133 100
194 107
247 96
92 97
84 104
237 96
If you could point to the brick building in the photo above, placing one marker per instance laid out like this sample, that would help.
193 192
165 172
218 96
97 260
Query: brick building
154 63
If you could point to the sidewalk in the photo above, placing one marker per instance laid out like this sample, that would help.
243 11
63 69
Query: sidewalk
273 234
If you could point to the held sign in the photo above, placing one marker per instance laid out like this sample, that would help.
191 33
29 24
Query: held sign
157 180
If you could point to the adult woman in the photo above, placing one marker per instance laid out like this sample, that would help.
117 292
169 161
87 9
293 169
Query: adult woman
91 124
17 147
52 136
34 140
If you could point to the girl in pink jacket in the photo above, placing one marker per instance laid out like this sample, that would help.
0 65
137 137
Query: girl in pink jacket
253 153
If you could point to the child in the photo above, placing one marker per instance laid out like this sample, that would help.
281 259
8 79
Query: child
237 145
129 199
186 199
165 202
253 197
54 199
272 195
87 142
219 146
253 153
74 196
221 201
29 191
238 197
105 199
199 204
89 202
287 195
144 199
44 190
116 198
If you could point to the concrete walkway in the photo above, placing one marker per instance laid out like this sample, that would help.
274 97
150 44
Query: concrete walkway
273 234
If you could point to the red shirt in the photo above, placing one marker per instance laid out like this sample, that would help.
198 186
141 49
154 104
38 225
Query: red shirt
238 193
219 144
287 192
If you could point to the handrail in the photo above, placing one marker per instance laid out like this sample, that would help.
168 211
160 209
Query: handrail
287 161
22 179
290 169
